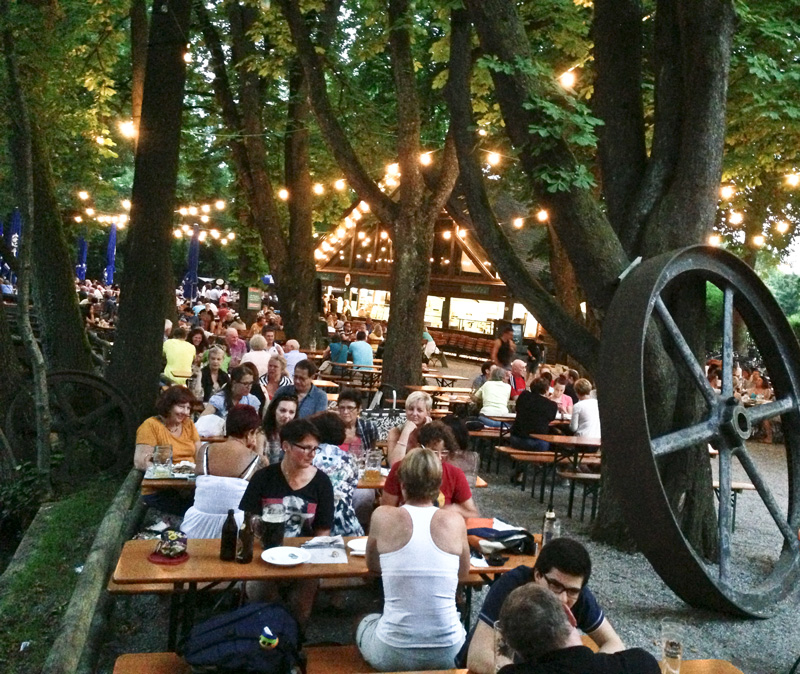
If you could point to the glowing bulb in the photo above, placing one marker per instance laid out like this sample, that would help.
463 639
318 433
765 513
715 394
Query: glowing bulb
283 194
384 235
89 211
348 222
203 236
782 227
78 218
393 170
340 232
326 246
364 206
204 219
126 204
183 210
361 235
493 159
735 218
127 129
318 254
219 205
187 57
318 188
120 225
793 179
425 159
462 233
447 234
192 210
215 233
355 214
178 234
727 192
224 242
714 240
365 243
481 132
758 240
391 182
186 228
542 216
83 195
205 208
123 218
100 140
339 185
231 236
568 79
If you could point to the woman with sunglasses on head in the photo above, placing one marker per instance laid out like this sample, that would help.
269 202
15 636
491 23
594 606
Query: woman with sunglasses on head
237 392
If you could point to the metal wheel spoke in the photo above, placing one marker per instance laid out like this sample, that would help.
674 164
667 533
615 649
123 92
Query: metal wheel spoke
686 437
685 352
727 343
768 410
725 514
766 495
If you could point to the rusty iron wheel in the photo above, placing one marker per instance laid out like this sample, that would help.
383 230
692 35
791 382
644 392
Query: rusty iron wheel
632 453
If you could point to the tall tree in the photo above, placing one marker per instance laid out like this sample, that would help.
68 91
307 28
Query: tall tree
146 288
655 200
411 217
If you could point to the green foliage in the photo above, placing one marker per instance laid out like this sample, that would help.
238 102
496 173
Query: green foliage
19 500
33 603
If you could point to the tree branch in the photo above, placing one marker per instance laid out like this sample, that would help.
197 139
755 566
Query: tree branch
617 33
332 131
574 337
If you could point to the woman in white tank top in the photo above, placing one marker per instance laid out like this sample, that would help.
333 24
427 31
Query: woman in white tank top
422 553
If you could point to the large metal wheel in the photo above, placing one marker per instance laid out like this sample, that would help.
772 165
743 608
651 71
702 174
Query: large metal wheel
634 453
93 427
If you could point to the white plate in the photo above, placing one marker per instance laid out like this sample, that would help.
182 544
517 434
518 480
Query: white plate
358 546
285 556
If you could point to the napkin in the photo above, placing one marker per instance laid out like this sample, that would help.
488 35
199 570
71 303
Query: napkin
326 550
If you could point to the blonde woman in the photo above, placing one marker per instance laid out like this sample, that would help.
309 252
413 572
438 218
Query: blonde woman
403 438
275 377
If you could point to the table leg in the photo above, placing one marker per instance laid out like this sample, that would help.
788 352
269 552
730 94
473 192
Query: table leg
174 614
190 603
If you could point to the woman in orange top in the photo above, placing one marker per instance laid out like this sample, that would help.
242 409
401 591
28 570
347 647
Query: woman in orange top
172 426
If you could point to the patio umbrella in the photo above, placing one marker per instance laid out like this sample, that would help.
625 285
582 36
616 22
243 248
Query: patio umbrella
83 249
190 278
111 255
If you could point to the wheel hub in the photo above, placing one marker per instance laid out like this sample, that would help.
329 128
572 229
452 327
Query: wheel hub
735 425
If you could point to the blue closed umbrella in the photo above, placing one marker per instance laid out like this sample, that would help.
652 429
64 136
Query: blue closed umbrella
111 256
80 267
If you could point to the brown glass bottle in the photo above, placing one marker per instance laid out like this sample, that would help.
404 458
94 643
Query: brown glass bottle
244 546
227 546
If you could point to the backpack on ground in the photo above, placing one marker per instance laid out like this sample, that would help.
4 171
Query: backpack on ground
233 642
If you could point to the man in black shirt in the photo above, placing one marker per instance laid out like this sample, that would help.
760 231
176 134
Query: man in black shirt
534 413
541 632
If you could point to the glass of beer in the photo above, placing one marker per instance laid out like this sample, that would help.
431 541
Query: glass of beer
162 461
273 518
372 467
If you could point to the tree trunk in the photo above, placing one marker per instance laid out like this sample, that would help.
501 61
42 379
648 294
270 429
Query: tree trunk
22 152
139 30
12 371
136 358
62 331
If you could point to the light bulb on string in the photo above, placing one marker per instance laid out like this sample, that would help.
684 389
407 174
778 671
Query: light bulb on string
793 179
183 210
205 208
339 185
782 227
568 79
126 204
219 205
727 192
127 129
542 215
493 159
714 240
204 219
319 188
735 218
518 223
83 195
425 159
283 194
758 240
192 210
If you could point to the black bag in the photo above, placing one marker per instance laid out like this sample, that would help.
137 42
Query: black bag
232 642
384 418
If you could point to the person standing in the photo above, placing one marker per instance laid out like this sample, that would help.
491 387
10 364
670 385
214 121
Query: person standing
504 348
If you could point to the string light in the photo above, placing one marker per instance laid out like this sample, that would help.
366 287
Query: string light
714 240
204 219
78 218
126 204
727 192
339 185
393 170
205 208
219 205
192 210
735 218
178 234
542 215
364 206
793 179
481 132
100 140
231 236
283 194
187 57
518 222
90 211
183 211
782 227
83 195
568 79
758 240
355 214
319 188
447 234
425 159
493 159
215 233
127 129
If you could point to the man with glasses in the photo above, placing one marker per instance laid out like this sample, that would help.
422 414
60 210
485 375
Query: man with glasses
563 567
310 399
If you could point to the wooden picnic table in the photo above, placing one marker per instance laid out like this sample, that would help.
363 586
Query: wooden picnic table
204 565
324 383
567 446
444 380
438 389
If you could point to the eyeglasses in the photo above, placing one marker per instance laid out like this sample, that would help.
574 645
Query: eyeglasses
303 448
245 384
347 408
557 588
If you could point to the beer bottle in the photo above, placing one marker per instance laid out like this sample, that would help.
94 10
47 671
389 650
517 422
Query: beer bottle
244 546
227 546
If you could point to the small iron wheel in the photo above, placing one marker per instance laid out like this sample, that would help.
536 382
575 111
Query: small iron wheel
634 452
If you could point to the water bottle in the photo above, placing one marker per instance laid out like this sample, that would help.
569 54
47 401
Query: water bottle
227 546
551 527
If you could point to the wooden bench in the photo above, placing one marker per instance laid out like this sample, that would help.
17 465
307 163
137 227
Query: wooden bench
736 489
332 659
591 486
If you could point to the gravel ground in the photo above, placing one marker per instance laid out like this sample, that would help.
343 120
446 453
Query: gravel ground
634 597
